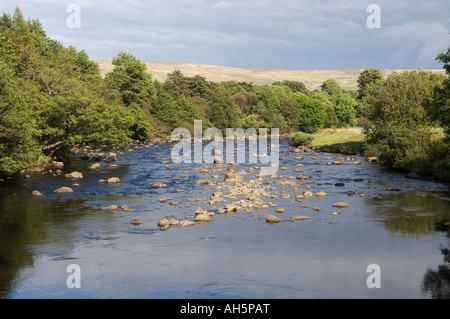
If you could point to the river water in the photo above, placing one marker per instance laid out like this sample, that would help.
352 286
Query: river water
404 232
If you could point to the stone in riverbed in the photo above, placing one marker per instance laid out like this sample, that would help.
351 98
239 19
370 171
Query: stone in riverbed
187 223
202 217
159 184
341 204
64 190
36 193
299 217
163 222
307 194
321 194
96 165
125 208
112 207
280 210
113 180
273 219
74 175
136 222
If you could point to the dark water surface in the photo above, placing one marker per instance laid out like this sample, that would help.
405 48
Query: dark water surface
405 232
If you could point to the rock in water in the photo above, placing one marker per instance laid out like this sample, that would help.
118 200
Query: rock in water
74 175
112 207
36 193
136 222
321 194
64 190
341 204
299 217
187 223
113 180
273 219
163 222
159 184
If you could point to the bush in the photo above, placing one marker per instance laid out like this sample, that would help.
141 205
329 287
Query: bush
300 139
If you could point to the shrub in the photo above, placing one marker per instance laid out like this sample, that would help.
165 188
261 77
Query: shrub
300 139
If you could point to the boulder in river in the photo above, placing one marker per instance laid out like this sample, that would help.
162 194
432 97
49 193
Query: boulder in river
125 208
273 219
187 223
159 184
111 207
74 175
64 189
36 193
299 217
321 194
113 180
163 222
136 222
95 165
340 204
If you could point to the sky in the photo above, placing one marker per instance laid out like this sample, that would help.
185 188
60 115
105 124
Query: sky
273 34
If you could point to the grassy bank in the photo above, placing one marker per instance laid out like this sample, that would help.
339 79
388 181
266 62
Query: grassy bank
339 140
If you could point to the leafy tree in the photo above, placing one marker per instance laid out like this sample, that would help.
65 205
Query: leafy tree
331 87
294 86
346 109
367 77
312 114
81 59
331 118
225 113
400 126
438 107
245 101
129 76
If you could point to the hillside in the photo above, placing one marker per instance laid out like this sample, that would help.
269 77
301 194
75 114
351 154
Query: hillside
311 78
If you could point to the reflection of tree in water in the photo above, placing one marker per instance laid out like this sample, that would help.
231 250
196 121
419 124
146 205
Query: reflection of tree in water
25 222
410 214
437 282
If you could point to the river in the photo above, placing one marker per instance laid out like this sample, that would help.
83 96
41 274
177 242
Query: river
405 232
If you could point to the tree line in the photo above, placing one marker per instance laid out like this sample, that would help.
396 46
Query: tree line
53 98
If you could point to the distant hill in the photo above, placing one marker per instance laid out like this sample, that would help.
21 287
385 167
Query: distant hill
311 78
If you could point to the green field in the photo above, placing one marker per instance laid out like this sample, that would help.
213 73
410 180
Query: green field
342 140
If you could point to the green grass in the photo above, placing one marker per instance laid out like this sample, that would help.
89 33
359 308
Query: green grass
340 140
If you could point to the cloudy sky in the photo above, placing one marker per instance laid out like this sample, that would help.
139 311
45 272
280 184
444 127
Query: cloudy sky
286 34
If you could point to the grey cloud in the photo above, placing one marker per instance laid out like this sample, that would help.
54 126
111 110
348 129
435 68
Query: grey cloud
255 34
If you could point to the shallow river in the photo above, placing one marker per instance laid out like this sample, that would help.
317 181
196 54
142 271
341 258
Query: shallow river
404 232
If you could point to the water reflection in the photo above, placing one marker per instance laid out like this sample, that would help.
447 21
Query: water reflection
437 282
411 214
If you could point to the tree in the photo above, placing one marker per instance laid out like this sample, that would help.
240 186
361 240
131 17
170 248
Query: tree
331 87
130 77
367 77
312 113
294 86
81 59
225 113
438 107
346 109
400 135
331 118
